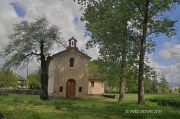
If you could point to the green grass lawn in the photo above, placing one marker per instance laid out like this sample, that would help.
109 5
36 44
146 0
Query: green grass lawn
95 107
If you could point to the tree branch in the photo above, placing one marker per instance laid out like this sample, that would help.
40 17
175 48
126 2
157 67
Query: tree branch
177 54
32 53
139 8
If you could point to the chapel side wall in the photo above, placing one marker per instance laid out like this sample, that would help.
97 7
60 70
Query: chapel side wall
56 77
97 89
51 78
64 72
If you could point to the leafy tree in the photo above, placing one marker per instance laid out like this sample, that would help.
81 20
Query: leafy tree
103 72
148 84
179 90
108 26
170 91
150 21
163 85
155 85
96 70
34 81
8 79
32 40
147 20
175 90
131 81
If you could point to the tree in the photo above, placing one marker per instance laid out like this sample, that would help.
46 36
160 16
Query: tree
97 70
146 20
175 90
170 91
34 81
155 85
163 85
103 71
179 90
149 21
8 79
32 40
154 82
108 26
148 84
131 81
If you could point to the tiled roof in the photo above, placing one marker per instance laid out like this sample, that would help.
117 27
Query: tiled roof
21 78
72 49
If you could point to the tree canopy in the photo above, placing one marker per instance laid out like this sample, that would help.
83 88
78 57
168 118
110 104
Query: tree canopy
115 25
24 42
34 80
8 79
163 85
32 40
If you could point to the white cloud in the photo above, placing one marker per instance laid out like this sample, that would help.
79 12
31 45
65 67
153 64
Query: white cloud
170 72
170 51
61 13
7 17
165 54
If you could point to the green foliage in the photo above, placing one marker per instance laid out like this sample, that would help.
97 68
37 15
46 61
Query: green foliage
131 81
107 22
34 80
155 85
31 40
113 90
124 29
179 90
163 85
8 79
96 70
170 91
167 101
104 71
148 85
148 21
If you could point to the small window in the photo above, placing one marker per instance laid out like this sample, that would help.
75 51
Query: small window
92 83
61 88
71 62
80 89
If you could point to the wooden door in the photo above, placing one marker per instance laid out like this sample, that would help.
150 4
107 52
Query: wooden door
70 88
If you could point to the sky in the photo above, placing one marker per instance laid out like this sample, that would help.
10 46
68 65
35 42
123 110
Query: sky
66 14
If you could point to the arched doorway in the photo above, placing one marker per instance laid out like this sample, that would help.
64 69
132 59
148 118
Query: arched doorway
70 88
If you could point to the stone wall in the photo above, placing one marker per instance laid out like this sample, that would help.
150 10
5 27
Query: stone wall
3 93
20 91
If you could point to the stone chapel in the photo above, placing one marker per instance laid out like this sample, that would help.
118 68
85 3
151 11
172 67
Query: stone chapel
69 76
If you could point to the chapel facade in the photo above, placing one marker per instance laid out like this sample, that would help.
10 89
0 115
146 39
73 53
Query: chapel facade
69 74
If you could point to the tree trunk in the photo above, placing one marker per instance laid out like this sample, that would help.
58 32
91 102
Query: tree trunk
123 62
121 90
141 81
141 99
121 82
44 75
153 86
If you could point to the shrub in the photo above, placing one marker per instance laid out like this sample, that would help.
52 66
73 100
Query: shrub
173 102
167 101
